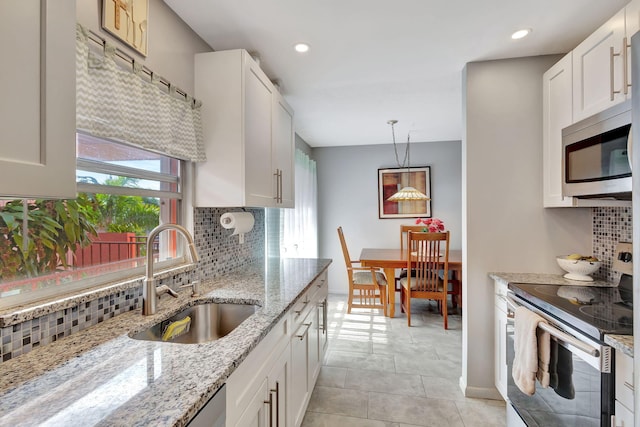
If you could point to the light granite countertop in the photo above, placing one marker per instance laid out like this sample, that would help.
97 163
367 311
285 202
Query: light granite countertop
545 279
100 376
624 343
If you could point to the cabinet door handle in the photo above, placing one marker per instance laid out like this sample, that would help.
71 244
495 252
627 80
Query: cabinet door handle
304 304
277 175
277 391
612 54
625 59
270 403
306 331
325 313
322 305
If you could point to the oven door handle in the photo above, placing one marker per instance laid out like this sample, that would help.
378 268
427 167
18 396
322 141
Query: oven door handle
557 333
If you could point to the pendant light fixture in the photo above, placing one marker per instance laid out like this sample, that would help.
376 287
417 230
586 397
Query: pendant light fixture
408 193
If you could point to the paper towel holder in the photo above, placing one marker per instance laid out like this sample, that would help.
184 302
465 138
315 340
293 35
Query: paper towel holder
241 225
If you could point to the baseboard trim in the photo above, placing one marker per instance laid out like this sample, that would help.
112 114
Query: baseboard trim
479 392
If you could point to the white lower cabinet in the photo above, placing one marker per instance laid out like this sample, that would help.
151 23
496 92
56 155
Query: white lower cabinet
248 387
268 405
278 390
300 358
273 385
314 362
305 362
500 338
256 412
308 346
624 390
623 417
323 333
320 335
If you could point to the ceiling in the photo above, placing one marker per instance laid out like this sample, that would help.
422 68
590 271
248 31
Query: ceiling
375 60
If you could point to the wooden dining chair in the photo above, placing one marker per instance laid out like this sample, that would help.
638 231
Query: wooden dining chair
427 256
404 230
454 287
366 284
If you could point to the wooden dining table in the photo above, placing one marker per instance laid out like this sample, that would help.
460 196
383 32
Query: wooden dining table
391 259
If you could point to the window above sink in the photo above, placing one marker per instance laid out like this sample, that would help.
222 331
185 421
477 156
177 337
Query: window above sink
99 237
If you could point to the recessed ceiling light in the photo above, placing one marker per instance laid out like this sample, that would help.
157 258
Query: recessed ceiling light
521 33
301 47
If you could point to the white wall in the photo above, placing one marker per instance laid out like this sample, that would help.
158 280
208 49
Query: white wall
172 43
505 227
348 197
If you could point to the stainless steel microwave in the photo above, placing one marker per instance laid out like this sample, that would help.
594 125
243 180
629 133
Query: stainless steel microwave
596 155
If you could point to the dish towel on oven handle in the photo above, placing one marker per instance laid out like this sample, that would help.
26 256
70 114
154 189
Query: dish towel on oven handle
532 351
561 371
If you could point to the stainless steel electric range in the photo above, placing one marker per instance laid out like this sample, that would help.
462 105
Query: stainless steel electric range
583 389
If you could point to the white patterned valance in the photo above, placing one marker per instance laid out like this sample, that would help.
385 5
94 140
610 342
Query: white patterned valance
119 104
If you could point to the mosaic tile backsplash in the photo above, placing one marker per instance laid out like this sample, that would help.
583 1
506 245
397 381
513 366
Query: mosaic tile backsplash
24 337
610 226
219 253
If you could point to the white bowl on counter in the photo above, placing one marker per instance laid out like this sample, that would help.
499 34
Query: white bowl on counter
578 269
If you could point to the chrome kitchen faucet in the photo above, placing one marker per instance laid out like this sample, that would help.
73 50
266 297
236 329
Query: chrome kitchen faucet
150 293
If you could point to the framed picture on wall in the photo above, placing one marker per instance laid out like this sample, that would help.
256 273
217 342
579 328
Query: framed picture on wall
128 20
392 180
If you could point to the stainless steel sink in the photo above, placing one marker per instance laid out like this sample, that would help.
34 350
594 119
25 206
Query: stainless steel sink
209 322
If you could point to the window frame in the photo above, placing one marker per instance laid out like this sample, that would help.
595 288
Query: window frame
121 277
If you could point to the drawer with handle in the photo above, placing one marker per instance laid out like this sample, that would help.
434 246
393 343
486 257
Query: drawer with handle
624 380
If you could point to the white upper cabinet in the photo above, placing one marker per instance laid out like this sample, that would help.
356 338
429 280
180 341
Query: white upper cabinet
602 64
598 69
586 81
557 114
632 18
248 139
632 26
37 107
259 185
283 151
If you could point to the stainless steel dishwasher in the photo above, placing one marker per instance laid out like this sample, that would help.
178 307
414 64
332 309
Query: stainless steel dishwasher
213 413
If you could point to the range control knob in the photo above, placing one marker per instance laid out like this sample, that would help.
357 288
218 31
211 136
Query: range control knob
625 256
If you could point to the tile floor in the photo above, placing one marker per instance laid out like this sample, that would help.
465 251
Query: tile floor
380 373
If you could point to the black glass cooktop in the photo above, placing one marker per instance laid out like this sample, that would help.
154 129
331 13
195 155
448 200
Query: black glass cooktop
593 310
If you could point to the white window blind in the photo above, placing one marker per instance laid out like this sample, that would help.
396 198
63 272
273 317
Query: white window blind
123 105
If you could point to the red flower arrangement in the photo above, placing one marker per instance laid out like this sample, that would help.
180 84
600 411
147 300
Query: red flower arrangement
432 225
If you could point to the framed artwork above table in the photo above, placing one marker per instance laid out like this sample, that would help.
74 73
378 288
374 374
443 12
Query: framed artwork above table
393 179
